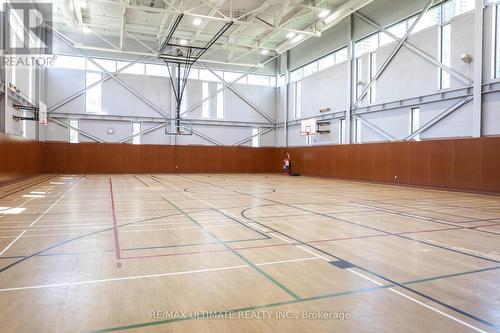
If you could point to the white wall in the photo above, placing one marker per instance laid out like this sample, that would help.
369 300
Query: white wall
118 101
408 78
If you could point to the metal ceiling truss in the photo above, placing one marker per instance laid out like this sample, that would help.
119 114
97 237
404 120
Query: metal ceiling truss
108 76
273 23
181 57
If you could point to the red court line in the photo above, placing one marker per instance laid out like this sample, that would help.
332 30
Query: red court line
115 226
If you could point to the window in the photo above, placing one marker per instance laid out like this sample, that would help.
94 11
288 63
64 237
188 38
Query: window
136 130
70 62
456 7
373 71
399 30
193 74
445 56
220 101
341 55
16 31
233 77
311 68
93 96
73 133
184 101
206 75
358 130
156 70
359 81
431 18
342 138
255 137
298 99
25 130
326 62
137 68
272 81
415 122
368 44
108 65
496 48
260 80
281 82
297 75
13 74
205 106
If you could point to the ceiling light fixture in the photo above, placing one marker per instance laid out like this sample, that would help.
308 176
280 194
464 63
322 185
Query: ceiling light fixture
83 4
183 42
297 38
264 52
86 29
197 21
290 35
323 13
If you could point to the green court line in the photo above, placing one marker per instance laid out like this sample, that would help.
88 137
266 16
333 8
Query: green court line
251 264
308 299
250 308
453 275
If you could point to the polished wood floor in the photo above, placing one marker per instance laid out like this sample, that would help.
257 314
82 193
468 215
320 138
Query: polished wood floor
245 253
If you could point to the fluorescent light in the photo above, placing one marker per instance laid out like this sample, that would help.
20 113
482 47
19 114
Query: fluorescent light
183 42
297 38
83 4
323 13
197 21
290 35
38 192
264 52
33 196
86 29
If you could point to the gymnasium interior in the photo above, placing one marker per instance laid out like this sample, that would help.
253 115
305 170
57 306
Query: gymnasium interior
250 166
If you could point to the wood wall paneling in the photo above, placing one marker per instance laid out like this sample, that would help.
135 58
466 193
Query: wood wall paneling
470 164
441 163
467 164
490 164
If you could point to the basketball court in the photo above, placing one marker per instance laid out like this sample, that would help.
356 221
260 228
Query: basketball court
250 166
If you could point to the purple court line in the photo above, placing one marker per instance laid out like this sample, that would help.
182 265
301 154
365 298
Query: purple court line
115 226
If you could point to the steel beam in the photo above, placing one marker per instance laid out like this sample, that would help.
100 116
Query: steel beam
156 120
439 117
130 89
416 50
146 131
245 140
206 137
376 128
240 95
83 91
86 134
392 54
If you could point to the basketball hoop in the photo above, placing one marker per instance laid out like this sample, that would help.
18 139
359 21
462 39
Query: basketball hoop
308 127
180 55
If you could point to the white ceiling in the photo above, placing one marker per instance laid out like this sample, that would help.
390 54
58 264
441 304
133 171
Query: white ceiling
261 28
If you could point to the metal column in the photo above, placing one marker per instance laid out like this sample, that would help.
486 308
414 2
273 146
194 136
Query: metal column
350 70
478 69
